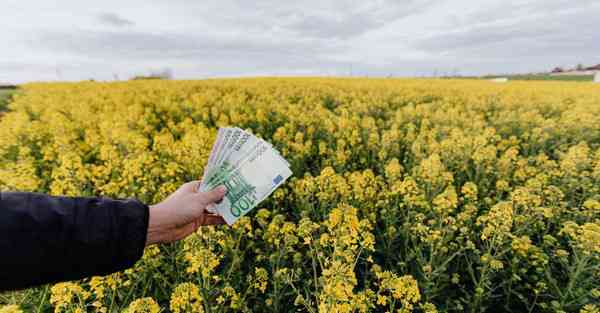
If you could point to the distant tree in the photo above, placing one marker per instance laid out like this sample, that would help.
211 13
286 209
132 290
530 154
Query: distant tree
579 67
558 70
166 73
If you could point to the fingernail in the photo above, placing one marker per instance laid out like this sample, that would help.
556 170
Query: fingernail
222 189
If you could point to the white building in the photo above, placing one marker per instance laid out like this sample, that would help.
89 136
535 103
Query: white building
499 80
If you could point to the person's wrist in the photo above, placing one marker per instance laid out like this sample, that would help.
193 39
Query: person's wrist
155 230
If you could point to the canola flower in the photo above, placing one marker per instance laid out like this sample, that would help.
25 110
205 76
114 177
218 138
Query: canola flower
186 298
68 296
409 195
11 308
143 305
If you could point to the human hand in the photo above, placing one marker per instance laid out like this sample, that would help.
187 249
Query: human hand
182 212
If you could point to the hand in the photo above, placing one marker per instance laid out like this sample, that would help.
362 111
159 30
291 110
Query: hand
182 212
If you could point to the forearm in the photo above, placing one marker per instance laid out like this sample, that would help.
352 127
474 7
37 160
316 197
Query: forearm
46 239
156 232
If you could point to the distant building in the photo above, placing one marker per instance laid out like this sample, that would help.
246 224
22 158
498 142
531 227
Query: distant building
593 68
597 77
499 79
585 71
576 73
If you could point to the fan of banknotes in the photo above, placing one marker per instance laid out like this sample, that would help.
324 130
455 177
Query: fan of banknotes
248 166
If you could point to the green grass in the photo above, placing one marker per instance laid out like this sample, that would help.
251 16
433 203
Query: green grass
579 78
5 98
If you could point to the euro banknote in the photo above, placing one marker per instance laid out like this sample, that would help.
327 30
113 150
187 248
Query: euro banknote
250 168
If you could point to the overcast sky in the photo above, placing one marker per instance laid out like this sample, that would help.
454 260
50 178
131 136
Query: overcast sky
105 40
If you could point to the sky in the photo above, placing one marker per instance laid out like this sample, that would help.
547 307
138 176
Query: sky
114 40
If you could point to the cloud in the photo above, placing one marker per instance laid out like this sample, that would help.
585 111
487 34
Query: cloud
138 44
344 19
113 19
326 19
205 54
547 36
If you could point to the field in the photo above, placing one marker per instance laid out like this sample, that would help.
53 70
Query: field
407 195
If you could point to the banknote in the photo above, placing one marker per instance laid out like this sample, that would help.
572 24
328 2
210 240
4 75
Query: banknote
226 136
218 173
235 134
213 153
250 167
251 183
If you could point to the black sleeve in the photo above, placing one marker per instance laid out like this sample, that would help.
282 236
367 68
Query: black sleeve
46 239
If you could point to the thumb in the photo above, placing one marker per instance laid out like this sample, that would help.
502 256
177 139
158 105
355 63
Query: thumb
214 195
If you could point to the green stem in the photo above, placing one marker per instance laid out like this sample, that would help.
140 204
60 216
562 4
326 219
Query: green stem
573 277
112 300
39 309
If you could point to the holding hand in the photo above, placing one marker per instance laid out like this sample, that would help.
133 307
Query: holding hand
182 212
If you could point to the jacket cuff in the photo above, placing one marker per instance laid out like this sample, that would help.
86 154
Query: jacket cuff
133 229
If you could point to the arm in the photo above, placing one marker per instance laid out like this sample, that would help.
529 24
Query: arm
46 239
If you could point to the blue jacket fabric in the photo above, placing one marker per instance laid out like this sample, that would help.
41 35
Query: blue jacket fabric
46 239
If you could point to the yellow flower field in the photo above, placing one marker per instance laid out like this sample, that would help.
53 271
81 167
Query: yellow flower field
407 195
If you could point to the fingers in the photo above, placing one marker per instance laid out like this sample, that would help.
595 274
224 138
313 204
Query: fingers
214 195
183 231
212 219
193 185
197 184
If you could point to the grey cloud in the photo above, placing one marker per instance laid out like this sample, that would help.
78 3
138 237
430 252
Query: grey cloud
319 26
149 45
347 22
567 35
113 19
341 19
510 10
188 52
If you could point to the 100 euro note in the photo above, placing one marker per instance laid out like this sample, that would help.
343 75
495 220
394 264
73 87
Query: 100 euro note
231 145
213 153
244 146
250 183
217 174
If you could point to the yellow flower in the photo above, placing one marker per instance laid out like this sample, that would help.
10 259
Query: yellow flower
469 191
403 289
429 308
261 279
521 245
446 202
586 236
186 298
11 308
393 170
589 237
67 295
496 265
590 308
143 305
498 222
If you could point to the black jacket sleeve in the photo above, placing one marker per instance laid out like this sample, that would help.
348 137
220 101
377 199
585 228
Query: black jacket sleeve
45 239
